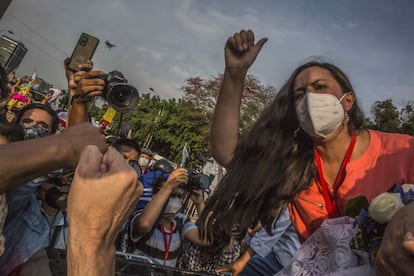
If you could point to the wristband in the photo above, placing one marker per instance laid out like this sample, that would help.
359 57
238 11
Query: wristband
79 99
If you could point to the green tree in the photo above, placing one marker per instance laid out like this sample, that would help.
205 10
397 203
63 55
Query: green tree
187 124
167 125
407 118
386 117
204 92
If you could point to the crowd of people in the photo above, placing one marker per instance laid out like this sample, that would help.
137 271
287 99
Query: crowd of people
65 188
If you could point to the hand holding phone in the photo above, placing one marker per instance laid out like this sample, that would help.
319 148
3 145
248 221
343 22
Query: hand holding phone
84 50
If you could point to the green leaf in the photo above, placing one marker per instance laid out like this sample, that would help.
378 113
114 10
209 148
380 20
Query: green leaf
354 206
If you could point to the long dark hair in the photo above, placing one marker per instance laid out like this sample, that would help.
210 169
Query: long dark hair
272 163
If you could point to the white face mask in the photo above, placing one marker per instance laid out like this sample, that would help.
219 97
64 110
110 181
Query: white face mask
320 115
173 207
143 162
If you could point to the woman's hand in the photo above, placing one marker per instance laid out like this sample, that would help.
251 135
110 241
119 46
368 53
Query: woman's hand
240 51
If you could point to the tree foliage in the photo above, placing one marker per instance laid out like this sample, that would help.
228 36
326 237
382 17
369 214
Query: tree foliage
387 117
204 93
169 124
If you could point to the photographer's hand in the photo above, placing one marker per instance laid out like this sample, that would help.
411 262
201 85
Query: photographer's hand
89 85
102 196
77 111
74 77
177 177
198 198
145 222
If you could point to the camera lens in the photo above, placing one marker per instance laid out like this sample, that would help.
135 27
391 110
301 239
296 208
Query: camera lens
197 180
203 182
123 97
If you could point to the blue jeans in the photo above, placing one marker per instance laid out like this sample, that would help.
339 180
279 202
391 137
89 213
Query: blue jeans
259 265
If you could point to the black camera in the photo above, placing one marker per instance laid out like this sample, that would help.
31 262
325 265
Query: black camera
118 93
197 180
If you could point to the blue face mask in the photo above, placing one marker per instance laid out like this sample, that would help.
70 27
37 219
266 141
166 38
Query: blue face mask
34 131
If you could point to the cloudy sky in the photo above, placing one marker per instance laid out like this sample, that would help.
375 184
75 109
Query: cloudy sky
161 43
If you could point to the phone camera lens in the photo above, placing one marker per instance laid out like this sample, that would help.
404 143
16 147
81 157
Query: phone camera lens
83 40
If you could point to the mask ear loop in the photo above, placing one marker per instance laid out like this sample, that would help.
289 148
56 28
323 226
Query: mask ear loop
346 112
346 118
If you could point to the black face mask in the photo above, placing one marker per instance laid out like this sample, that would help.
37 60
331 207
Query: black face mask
34 131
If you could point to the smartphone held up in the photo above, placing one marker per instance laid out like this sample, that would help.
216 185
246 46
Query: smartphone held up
83 51
117 92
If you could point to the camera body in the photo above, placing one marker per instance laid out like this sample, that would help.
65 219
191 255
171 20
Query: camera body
197 180
118 93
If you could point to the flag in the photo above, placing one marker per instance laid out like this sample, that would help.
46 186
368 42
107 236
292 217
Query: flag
184 156
108 117
34 75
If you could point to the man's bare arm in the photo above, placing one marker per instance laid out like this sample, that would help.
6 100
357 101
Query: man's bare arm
26 160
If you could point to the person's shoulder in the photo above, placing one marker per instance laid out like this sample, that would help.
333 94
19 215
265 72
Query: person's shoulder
391 140
391 136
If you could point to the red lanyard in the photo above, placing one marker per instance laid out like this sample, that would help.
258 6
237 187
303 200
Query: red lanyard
330 201
166 246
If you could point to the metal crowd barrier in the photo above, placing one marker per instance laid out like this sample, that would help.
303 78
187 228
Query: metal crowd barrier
125 265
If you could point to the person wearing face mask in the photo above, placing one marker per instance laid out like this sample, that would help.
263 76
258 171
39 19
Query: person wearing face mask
144 160
37 120
22 163
27 227
8 133
130 150
157 230
147 176
308 151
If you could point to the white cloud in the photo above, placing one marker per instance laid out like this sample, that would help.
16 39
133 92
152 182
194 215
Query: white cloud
179 72
336 26
351 25
156 55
